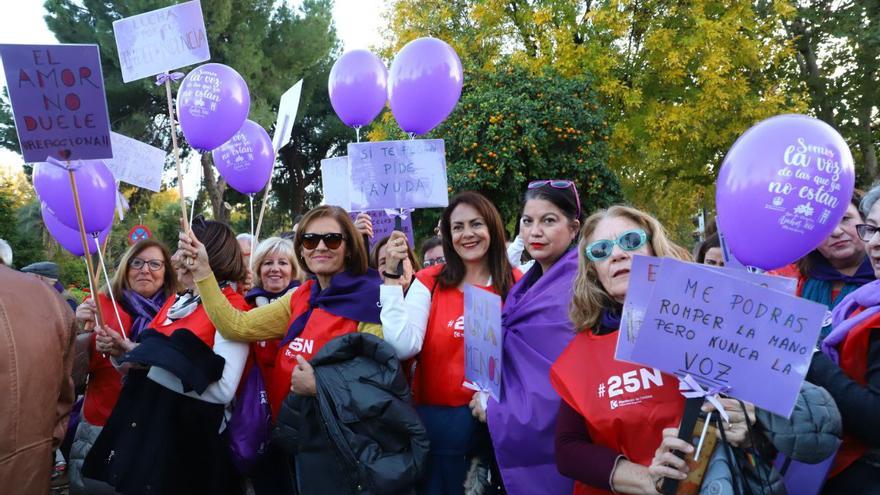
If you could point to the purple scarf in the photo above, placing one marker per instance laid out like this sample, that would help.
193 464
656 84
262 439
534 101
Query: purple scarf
141 309
523 425
349 296
866 296
256 292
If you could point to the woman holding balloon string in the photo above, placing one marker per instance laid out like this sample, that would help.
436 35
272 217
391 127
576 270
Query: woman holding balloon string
603 448
166 433
848 366
140 286
428 322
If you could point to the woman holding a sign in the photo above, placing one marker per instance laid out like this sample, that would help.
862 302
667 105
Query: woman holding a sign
429 323
614 413
849 368
142 283
166 433
536 329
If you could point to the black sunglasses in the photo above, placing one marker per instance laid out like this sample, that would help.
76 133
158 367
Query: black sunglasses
332 240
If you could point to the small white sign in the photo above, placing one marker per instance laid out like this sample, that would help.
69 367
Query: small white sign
287 109
136 163
336 179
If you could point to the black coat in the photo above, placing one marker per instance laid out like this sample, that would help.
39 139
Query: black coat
360 434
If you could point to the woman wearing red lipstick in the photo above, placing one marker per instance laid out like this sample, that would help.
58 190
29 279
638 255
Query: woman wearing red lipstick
430 322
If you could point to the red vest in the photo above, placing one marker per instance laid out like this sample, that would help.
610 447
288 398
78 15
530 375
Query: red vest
321 328
439 373
854 362
105 382
626 406
197 322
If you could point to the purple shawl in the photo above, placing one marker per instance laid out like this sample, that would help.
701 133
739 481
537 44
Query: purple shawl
523 425
866 296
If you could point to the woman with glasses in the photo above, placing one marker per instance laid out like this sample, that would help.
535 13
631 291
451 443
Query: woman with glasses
602 447
536 329
167 431
142 283
432 252
340 298
837 267
430 322
848 366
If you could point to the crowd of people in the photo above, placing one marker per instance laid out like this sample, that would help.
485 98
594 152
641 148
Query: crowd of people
314 365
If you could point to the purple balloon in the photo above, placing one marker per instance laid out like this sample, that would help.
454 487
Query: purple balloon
70 239
95 185
424 84
212 103
783 188
246 160
358 87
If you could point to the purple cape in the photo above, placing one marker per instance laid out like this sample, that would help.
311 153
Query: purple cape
523 425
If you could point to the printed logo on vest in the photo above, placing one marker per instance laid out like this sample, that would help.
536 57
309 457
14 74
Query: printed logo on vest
631 382
457 326
299 345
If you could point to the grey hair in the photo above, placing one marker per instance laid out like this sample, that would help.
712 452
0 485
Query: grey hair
869 199
5 253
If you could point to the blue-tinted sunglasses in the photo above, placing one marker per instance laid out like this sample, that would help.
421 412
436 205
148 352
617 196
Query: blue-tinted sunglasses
628 241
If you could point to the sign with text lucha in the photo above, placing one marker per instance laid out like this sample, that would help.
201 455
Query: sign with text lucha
398 174
58 101
383 226
482 339
753 343
161 40
136 163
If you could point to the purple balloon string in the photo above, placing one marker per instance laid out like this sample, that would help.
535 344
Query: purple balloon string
692 389
161 79
403 213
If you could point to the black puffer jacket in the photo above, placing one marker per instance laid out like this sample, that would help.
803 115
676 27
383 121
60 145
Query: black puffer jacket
360 434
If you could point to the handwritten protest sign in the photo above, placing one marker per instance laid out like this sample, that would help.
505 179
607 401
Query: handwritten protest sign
336 182
642 276
754 342
398 174
287 109
383 226
58 101
482 339
161 40
136 163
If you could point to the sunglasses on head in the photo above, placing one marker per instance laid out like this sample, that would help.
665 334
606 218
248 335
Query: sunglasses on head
332 240
628 241
866 232
559 184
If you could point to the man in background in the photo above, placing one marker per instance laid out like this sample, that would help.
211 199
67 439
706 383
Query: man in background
37 330
48 273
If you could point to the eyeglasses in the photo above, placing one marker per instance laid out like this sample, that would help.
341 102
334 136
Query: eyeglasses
866 232
332 240
434 261
559 184
152 265
628 241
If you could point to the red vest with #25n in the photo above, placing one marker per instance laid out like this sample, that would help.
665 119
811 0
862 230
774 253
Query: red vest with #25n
439 373
321 328
626 406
